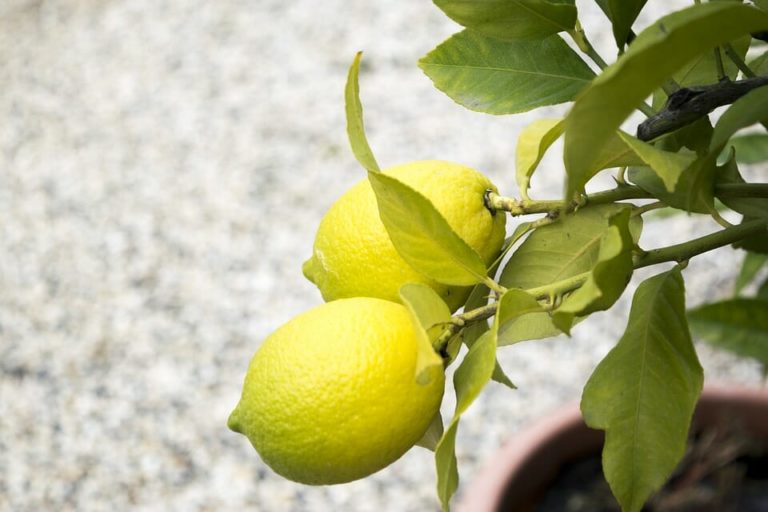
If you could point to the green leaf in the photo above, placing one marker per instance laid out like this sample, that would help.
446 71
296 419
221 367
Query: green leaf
751 265
737 325
702 70
615 153
751 148
510 20
422 236
748 206
762 292
760 63
433 434
427 310
667 165
470 378
755 243
497 77
474 372
354 111
608 278
532 143
654 56
446 467
514 305
694 190
644 392
562 249
478 297
622 14
747 110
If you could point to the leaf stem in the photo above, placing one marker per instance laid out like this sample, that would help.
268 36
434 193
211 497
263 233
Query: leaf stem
640 210
516 207
719 65
686 250
736 59
527 207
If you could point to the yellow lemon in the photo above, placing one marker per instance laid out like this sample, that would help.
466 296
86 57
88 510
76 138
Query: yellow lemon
331 396
353 255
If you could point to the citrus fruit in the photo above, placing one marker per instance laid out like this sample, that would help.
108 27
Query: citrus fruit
331 396
353 255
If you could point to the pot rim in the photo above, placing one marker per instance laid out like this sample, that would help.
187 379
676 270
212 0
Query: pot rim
561 428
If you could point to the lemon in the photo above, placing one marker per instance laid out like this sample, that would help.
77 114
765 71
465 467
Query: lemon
353 255
331 396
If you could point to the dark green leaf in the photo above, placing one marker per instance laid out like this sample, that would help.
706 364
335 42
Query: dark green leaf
510 20
751 265
355 126
653 57
497 77
429 313
622 14
747 110
755 243
532 143
422 236
760 63
608 277
644 392
702 70
762 292
737 325
694 190
751 148
749 206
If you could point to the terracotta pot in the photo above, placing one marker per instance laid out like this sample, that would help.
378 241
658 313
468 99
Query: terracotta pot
519 476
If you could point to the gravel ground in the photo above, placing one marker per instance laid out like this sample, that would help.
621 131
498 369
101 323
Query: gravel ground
164 167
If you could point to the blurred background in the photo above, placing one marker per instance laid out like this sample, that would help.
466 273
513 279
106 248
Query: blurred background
163 168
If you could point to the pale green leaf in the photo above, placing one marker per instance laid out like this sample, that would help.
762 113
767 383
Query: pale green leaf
497 77
513 305
475 371
644 392
470 378
478 297
422 236
622 14
532 143
429 313
562 249
446 467
509 20
737 325
608 277
433 434
531 326
354 111
653 57
668 166
751 265
615 153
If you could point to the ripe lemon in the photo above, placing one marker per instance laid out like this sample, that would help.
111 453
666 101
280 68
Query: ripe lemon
331 396
353 255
